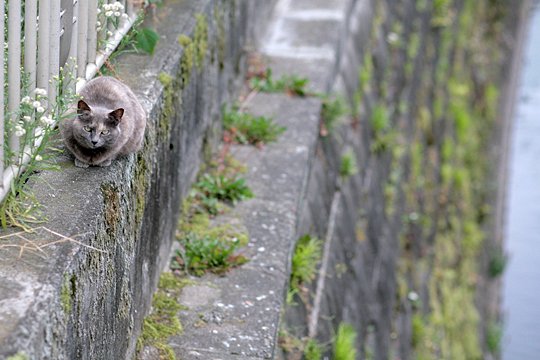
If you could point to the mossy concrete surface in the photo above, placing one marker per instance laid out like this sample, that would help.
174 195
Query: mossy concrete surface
84 293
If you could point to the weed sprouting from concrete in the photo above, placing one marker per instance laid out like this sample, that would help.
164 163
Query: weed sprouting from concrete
208 247
494 337
208 253
313 350
290 84
344 343
306 258
497 264
332 110
18 356
348 166
223 188
245 128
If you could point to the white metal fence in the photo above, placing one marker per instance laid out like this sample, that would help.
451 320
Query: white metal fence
40 37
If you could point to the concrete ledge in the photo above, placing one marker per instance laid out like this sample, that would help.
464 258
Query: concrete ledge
73 301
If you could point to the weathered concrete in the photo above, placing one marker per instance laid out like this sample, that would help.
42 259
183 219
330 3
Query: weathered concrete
73 301
80 303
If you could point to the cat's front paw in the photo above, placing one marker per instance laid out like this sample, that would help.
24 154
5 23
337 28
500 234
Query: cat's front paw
81 164
106 163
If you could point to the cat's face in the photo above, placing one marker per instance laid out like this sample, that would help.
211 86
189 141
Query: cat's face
96 128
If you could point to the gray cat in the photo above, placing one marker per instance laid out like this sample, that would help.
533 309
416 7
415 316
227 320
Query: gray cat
110 122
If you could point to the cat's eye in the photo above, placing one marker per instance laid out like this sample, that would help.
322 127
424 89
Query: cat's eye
105 132
87 128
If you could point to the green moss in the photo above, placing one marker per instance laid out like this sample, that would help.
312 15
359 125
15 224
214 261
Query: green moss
187 61
201 39
221 35
140 185
163 322
194 49
66 293
165 79
344 343
18 356
111 201
417 330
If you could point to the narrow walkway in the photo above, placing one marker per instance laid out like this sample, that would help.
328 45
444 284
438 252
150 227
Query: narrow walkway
522 277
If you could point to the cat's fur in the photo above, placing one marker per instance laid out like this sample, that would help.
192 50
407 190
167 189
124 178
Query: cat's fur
110 122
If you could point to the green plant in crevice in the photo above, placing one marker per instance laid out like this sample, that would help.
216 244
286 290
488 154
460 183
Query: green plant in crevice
344 343
313 350
497 264
210 253
208 246
305 260
348 165
296 348
417 331
163 321
245 128
383 137
332 110
290 84
224 188
494 336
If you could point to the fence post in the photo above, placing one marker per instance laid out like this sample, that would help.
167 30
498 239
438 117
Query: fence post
14 67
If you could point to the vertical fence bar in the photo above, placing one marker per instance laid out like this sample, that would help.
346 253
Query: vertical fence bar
43 44
54 52
14 67
82 36
30 42
92 35
73 49
2 128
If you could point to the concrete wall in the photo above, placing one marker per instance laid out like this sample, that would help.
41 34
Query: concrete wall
406 222
385 227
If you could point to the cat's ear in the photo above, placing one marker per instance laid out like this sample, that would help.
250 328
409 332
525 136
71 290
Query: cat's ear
116 115
82 107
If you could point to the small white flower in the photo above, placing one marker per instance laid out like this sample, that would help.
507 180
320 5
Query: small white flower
40 92
109 33
392 38
106 7
40 109
98 28
109 14
118 5
46 121
98 23
26 100
38 158
125 16
98 11
413 296
117 13
36 104
27 118
38 132
19 131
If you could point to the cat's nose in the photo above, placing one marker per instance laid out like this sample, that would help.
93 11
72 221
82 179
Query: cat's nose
94 142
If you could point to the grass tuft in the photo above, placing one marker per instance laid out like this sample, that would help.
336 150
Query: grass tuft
344 343
248 129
